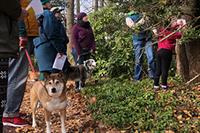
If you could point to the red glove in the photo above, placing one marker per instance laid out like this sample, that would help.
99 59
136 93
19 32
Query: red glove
23 41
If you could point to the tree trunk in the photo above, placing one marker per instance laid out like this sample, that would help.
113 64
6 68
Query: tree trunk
77 6
182 62
70 21
108 2
70 15
188 57
95 5
101 3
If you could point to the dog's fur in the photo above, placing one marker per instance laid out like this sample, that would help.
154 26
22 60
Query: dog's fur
81 72
51 93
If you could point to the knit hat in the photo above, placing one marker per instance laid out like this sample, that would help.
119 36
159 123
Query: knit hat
44 1
81 15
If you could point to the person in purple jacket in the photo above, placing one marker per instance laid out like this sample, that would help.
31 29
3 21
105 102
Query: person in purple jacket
83 41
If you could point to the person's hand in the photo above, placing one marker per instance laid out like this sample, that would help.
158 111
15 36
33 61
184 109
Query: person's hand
60 55
91 51
155 31
141 21
78 58
181 22
23 41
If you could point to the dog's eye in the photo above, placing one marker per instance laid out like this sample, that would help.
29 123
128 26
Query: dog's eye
50 83
57 82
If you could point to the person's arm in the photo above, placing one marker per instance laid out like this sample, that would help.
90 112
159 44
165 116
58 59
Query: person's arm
177 35
93 46
12 8
131 24
75 40
23 40
22 28
52 31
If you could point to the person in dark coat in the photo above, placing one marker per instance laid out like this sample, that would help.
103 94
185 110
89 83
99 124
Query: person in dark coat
83 41
83 38
51 41
10 11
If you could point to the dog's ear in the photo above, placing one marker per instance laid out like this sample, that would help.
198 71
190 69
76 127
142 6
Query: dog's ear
84 63
46 75
61 75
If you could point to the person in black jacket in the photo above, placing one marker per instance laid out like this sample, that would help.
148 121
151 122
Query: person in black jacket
10 11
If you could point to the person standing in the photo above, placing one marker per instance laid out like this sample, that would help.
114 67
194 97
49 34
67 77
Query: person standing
51 41
165 50
10 11
18 70
83 41
141 40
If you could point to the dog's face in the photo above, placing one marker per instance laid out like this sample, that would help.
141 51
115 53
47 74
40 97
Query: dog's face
55 84
90 64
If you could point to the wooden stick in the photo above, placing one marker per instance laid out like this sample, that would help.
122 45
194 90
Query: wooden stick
192 79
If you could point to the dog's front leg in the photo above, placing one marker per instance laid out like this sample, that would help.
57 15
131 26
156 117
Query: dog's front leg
47 119
62 117
79 85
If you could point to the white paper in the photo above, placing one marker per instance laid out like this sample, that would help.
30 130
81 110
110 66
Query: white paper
59 61
37 7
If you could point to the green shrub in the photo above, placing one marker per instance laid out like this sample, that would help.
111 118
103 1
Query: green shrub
122 104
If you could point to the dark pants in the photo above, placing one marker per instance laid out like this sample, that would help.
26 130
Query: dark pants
3 87
164 58
81 60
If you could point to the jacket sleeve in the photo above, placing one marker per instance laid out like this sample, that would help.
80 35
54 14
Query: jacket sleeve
177 35
75 39
93 43
52 31
12 8
22 28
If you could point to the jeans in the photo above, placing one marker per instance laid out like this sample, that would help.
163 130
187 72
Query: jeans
138 48
164 58
75 55
18 74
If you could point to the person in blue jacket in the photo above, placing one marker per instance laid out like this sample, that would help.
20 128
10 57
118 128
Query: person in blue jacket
141 39
51 41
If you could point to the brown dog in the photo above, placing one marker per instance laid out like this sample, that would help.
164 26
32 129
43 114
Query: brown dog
51 93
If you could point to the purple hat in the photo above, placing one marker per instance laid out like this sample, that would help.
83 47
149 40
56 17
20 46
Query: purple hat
81 15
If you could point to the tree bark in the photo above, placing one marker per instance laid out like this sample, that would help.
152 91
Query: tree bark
188 57
77 6
70 21
102 3
95 5
182 62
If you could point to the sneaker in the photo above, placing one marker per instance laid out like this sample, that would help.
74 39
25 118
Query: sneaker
14 121
165 87
156 87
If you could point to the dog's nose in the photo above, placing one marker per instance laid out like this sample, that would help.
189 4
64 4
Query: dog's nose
53 90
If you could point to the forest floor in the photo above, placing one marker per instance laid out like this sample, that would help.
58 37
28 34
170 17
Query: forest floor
79 119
